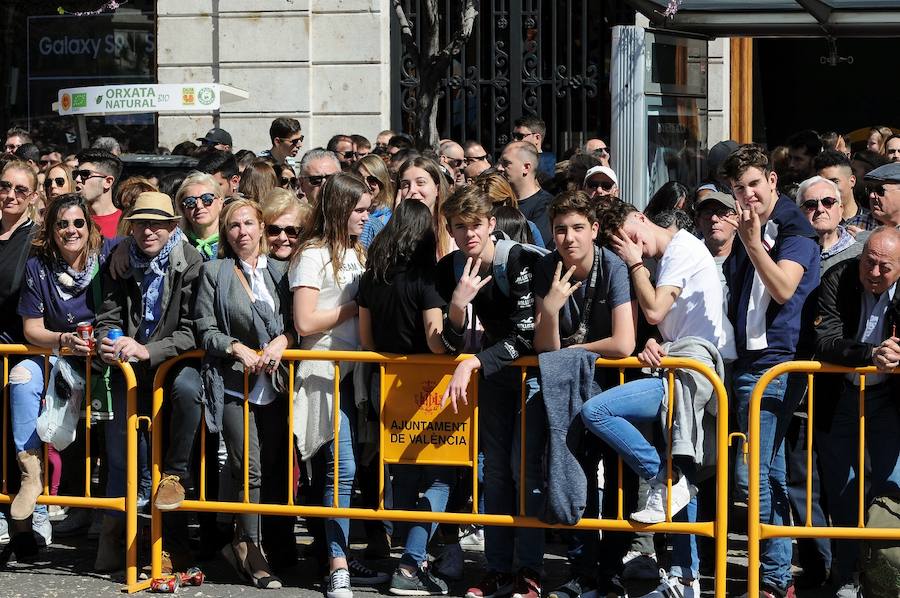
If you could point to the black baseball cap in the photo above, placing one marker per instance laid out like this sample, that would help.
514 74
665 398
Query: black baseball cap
215 136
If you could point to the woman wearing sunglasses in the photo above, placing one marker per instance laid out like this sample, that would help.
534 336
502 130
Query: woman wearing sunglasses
376 175
57 181
199 199
61 289
285 218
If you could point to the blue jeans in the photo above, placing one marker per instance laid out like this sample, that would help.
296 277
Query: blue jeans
436 481
26 389
774 508
842 457
337 531
499 412
611 415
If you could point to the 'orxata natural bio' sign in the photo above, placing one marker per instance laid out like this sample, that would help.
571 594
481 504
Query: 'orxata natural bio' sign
129 99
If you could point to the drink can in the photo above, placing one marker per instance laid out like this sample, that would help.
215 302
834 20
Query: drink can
114 333
192 577
164 585
85 331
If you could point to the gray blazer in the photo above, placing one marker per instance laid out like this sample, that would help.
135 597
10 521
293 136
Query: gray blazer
210 325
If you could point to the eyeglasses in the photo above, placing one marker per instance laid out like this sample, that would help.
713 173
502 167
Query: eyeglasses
601 151
470 159
372 180
190 202
294 141
273 230
316 179
153 225
520 136
719 213
348 155
286 181
593 185
78 223
811 204
58 181
87 174
20 191
455 162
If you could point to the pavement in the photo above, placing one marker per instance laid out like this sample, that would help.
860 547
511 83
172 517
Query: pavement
65 569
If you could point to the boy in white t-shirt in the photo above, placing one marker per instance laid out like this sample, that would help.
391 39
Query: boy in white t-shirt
685 302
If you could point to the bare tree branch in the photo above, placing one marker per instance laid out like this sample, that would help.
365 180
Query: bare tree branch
469 14
406 29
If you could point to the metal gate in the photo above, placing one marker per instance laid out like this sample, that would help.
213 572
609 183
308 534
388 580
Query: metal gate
525 57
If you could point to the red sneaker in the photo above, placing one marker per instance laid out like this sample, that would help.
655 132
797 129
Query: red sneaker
493 585
528 584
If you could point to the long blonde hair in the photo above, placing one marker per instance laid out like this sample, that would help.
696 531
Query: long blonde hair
328 223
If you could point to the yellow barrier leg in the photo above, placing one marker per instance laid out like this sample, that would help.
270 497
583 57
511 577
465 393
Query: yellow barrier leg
131 486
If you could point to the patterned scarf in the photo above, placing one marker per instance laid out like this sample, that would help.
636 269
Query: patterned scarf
70 282
154 270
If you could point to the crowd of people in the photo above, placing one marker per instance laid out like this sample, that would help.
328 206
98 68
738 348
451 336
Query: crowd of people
792 253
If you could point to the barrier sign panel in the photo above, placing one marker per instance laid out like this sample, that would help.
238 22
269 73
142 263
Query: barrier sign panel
416 428
127 99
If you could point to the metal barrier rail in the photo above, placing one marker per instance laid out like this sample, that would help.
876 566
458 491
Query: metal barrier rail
716 529
126 504
758 531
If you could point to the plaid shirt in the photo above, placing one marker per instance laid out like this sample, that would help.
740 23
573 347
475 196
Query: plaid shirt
863 220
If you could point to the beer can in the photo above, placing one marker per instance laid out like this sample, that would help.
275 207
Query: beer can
114 333
85 331
164 585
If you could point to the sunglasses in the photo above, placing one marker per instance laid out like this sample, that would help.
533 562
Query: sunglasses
190 202
87 174
273 230
605 185
348 155
58 181
78 223
601 151
289 181
20 191
372 181
294 141
811 204
316 179
471 159
153 225
455 162
876 189
717 212
520 136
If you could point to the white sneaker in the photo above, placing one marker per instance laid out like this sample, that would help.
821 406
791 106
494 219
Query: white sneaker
43 531
339 584
672 587
640 566
472 537
4 530
655 509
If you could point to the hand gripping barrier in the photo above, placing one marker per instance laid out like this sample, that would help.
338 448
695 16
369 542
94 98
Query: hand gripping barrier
394 368
756 529
126 504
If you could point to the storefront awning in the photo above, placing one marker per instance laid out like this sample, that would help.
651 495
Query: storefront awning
762 18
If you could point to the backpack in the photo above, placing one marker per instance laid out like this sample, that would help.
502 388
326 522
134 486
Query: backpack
880 577
502 246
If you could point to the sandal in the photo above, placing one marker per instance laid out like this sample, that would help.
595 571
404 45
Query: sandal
266 581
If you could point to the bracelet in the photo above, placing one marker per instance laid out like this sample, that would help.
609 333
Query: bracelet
633 267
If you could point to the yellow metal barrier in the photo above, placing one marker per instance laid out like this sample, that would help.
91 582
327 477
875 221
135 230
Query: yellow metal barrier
758 531
126 504
716 529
